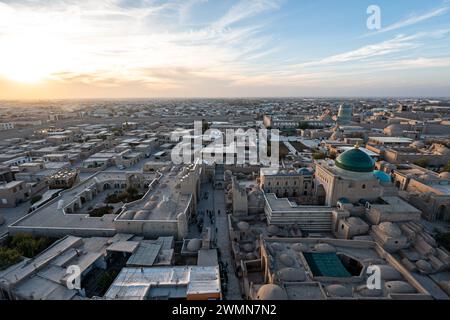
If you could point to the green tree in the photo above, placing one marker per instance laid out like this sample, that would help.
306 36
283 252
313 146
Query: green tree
27 245
8 257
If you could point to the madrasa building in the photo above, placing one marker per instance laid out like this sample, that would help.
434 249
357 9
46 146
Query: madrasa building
351 178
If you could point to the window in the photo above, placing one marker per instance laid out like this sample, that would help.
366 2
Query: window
363 186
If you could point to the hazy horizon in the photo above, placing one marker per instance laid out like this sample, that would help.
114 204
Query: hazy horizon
152 49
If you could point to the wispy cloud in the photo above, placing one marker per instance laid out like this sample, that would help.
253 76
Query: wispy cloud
121 38
412 20
397 44
400 43
246 9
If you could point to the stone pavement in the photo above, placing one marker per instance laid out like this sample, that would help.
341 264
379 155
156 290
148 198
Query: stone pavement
223 242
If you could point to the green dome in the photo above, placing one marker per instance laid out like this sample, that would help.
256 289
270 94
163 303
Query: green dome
355 160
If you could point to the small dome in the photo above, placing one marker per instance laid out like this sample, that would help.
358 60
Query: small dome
194 245
441 149
390 229
141 215
388 273
305 171
398 287
324 248
271 292
369 293
354 221
248 247
417 144
445 175
300 247
273 230
338 290
426 177
149 205
382 176
287 260
250 256
128 215
344 200
276 247
355 160
243 226
424 266
291 275
394 128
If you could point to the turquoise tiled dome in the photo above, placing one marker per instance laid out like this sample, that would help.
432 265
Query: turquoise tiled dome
382 176
355 160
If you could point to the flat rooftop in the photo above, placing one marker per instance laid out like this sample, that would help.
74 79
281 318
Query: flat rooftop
324 262
168 282
164 201
283 204
51 215
391 139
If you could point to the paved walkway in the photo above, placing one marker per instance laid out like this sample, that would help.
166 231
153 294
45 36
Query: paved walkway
223 242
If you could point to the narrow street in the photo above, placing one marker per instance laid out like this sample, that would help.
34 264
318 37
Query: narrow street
223 243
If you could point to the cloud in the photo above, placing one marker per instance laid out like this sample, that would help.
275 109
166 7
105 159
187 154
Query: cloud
115 41
413 20
397 44
246 9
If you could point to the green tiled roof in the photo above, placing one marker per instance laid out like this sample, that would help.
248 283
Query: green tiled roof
355 160
326 265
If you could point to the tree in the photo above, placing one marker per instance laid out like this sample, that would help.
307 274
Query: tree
132 191
8 257
27 245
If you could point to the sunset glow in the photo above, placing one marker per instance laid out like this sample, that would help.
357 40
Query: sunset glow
144 48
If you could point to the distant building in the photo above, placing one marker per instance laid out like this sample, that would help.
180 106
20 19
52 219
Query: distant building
345 114
13 193
6 126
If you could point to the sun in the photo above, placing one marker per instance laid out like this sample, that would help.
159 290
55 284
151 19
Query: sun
24 76
30 58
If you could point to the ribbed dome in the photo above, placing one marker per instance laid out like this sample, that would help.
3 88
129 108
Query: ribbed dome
355 160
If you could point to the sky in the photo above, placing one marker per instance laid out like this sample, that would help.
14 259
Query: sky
222 48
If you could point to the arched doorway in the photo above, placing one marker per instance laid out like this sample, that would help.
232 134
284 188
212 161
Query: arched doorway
321 195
